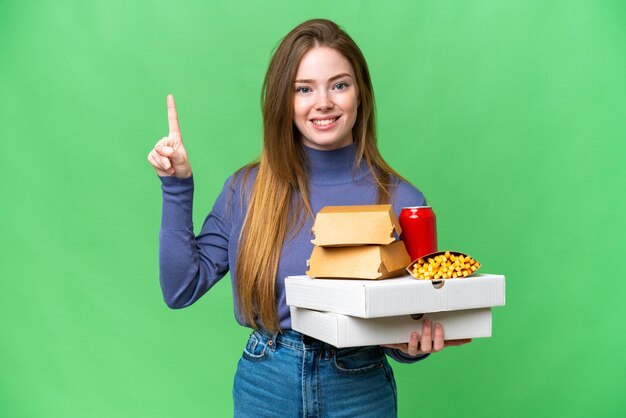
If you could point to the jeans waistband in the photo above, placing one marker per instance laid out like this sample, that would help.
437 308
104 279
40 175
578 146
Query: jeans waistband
294 339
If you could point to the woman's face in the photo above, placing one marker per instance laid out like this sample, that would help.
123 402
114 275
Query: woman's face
326 99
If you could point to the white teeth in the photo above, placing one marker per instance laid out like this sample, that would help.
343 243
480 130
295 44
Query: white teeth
324 122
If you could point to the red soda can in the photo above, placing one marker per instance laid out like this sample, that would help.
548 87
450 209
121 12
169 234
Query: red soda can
419 230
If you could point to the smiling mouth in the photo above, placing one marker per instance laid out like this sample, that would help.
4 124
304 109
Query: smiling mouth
324 122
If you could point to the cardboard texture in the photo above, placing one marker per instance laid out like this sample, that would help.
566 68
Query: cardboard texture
337 226
346 331
393 297
364 262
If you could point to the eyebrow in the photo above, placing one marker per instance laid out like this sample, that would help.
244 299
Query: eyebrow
330 79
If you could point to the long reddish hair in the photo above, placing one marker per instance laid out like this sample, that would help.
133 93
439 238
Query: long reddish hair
282 177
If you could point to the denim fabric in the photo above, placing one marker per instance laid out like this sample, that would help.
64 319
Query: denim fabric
286 375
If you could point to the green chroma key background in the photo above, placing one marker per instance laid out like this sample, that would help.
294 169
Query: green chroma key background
510 116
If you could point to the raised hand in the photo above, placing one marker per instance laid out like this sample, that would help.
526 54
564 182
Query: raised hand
168 157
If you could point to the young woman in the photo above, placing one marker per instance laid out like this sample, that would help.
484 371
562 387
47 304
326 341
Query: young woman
319 149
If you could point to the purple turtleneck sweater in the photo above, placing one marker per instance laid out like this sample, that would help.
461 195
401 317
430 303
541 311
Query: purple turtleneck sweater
190 265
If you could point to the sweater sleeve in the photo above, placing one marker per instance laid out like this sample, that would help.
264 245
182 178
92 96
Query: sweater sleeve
407 195
400 357
189 265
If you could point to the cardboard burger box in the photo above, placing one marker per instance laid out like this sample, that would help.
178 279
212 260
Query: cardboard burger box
338 226
364 262
349 313
357 242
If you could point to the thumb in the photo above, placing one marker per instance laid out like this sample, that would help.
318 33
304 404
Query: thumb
176 154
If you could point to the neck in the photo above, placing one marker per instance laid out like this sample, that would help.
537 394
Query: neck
334 166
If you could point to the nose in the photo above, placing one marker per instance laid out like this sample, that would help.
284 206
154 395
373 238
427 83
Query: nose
324 101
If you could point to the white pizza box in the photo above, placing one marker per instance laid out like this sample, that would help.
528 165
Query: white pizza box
349 331
393 297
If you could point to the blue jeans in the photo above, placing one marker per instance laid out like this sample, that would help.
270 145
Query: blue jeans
290 375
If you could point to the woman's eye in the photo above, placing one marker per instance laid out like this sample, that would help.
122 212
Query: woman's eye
302 90
341 86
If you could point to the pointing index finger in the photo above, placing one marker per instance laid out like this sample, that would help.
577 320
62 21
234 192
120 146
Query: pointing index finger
172 116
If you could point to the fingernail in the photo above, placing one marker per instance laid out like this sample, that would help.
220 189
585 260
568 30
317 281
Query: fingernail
427 322
438 325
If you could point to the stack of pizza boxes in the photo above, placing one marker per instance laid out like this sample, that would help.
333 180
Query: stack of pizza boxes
343 301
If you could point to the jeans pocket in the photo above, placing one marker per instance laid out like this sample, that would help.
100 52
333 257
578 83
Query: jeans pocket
358 359
392 382
256 348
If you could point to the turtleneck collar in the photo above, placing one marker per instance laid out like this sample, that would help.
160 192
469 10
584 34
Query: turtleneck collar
333 167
